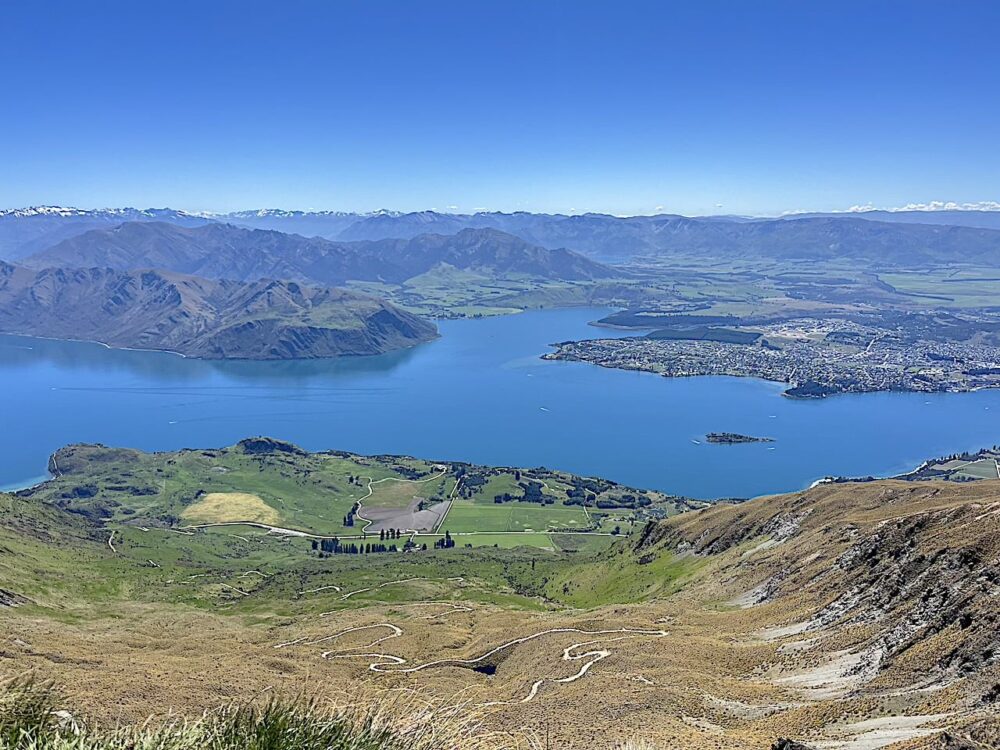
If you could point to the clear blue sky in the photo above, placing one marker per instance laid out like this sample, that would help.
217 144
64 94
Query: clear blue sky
627 107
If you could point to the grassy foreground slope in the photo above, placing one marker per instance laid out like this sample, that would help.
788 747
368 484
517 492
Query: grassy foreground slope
30 719
849 616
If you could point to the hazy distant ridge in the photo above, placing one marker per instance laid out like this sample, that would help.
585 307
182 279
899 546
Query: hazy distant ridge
224 251
884 238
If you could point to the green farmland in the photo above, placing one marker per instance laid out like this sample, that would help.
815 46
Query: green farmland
265 490
513 517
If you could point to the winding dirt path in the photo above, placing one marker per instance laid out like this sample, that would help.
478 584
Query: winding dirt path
276 530
453 608
395 632
391 663
589 658
254 573
322 588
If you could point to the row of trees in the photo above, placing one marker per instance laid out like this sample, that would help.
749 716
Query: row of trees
335 547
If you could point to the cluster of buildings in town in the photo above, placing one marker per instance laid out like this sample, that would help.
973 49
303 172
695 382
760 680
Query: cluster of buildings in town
816 357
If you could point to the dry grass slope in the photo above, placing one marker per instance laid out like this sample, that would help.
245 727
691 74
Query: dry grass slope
228 507
31 719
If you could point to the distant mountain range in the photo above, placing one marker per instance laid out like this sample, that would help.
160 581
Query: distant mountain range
328 224
882 243
25 231
223 251
881 238
199 317
879 245
957 218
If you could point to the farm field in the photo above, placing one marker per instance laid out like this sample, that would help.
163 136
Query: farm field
263 486
983 469
961 468
396 492
512 517
447 292
949 288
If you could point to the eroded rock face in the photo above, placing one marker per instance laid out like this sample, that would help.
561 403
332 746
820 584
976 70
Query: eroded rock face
983 734
909 576
919 587
12 599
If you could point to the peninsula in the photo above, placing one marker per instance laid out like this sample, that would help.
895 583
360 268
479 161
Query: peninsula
818 357
203 318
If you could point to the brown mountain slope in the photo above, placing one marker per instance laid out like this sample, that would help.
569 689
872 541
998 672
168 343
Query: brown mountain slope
848 617
884 597
200 317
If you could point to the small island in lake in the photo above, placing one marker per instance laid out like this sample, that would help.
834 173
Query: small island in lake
731 438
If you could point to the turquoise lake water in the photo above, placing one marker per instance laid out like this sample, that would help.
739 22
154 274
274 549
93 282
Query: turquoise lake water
479 393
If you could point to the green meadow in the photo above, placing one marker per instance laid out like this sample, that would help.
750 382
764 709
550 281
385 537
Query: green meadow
465 517
241 528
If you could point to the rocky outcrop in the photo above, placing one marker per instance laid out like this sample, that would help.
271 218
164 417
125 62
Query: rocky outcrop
908 574
12 599
265 445
786 744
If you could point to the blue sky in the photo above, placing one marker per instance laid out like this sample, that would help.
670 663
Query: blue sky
625 107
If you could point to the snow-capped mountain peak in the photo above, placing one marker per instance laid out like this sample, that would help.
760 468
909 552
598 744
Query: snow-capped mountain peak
67 211
43 211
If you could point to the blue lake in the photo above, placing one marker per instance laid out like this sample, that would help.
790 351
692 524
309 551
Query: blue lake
480 393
